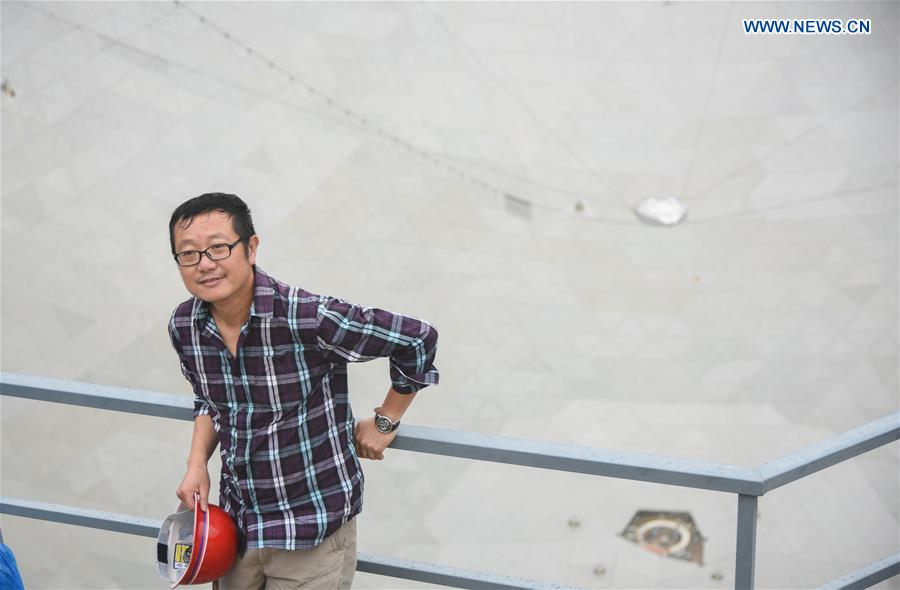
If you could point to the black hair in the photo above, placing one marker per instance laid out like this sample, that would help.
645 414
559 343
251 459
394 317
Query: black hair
224 202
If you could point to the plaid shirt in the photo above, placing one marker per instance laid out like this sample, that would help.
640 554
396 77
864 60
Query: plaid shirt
290 474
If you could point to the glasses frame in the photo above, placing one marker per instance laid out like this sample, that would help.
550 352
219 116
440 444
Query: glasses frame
231 247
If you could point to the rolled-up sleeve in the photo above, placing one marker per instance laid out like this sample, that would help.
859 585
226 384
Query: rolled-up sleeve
201 407
355 334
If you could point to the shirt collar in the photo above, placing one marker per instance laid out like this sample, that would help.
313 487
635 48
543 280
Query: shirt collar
261 306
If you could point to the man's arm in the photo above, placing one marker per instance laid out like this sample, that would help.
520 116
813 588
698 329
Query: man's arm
201 407
196 479
354 333
203 441
370 442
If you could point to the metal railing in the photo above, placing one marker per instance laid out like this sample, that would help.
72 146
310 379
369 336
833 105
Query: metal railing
748 483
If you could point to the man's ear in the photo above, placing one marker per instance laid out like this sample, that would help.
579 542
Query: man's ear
252 245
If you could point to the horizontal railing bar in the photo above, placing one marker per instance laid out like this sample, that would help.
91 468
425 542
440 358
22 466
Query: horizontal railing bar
558 457
95 519
579 459
867 576
829 452
571 458
528 453
103 397
443 575
428 573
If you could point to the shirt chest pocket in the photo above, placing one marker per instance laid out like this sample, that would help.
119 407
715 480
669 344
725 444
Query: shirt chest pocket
274 377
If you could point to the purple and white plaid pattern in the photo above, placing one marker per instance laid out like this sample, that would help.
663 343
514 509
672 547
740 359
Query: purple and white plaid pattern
290 475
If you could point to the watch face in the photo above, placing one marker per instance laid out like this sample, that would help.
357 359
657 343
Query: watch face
383 424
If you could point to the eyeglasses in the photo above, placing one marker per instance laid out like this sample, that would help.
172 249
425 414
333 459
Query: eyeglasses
214 252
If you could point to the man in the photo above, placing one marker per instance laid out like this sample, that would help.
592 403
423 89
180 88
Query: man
268 365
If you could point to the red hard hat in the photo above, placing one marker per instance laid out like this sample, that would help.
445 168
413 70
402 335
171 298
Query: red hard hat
196 547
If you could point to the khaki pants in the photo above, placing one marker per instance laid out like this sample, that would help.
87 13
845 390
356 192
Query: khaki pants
328 566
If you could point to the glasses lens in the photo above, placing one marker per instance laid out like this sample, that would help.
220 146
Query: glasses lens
188 258
220 251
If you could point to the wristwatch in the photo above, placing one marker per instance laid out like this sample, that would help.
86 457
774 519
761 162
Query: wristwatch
383 423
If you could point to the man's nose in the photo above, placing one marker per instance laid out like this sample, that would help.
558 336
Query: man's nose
206 263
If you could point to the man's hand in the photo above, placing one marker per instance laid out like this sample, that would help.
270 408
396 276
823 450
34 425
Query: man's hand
370 443
196 481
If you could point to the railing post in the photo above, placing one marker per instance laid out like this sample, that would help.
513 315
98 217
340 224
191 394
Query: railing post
746 542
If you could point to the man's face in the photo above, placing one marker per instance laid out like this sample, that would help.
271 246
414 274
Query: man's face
215 281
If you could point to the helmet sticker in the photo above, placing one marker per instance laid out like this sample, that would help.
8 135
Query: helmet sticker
182 555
